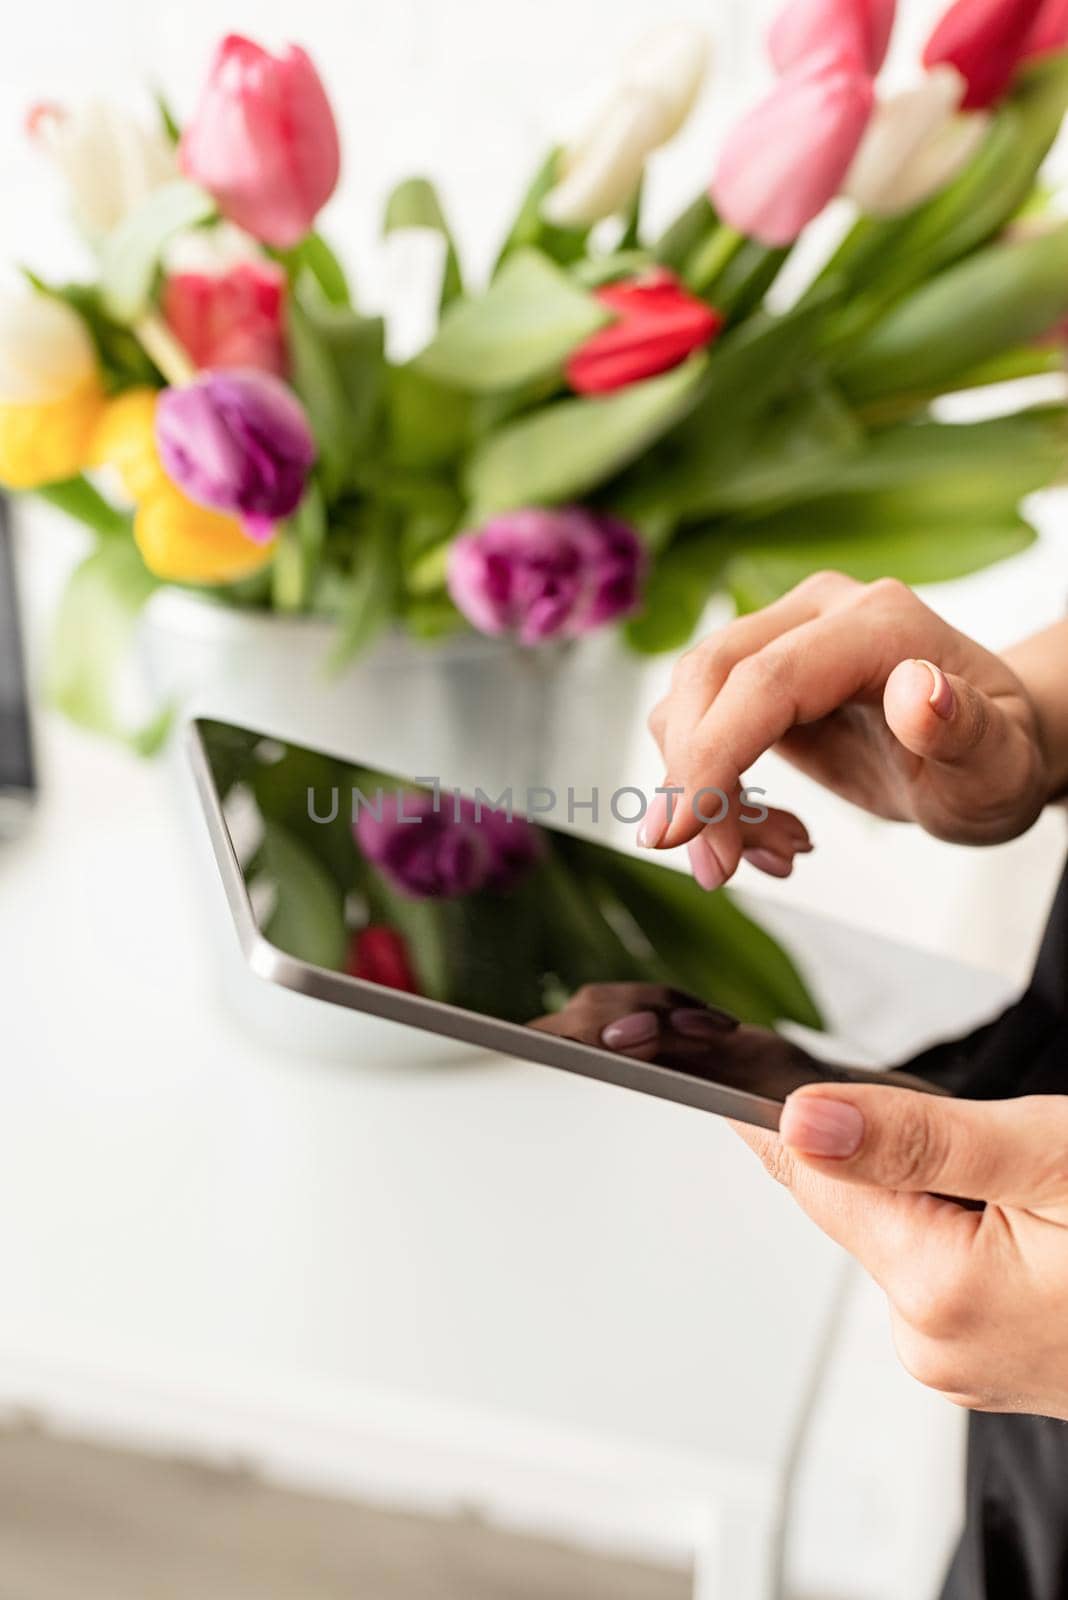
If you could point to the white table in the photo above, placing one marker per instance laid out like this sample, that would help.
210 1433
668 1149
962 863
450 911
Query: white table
577 1308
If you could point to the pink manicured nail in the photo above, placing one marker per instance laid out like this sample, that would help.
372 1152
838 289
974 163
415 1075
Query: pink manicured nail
943 701
640 1027
707 1025
706 868
816 1127
768 861
655 823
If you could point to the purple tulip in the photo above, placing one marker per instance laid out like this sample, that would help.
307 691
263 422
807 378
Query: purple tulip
438 855
237 441
547 574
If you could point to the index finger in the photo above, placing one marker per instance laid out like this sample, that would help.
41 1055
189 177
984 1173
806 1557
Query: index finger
797 678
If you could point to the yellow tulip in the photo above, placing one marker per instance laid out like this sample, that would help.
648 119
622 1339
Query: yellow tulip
185 543
126 441
179 541
46 441
51 396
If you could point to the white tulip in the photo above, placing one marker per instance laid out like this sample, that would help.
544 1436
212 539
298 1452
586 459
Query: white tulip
671 63
110 163
654 93
45 350
916 142
601 173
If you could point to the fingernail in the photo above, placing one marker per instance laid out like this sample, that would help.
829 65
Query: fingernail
943 701
655 823
799 838
641 1027
816 1127
769 861
706 868
710 1024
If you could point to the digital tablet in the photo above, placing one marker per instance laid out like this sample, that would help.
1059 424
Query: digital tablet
17 780
461 915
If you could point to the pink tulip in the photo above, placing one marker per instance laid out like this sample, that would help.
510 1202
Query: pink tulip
789 156
985 41
263 141
1049 33
847 31
231 318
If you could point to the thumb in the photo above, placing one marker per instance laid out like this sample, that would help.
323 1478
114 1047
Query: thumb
942 717
1011 1152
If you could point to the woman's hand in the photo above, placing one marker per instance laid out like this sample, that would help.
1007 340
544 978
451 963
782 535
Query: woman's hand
978 1298
652 1022
866 689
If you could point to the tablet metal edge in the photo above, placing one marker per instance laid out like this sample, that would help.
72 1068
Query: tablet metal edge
437 1016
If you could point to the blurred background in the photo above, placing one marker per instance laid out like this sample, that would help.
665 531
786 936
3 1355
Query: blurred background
281 1322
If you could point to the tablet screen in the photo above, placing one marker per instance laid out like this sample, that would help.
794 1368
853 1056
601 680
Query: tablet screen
464 898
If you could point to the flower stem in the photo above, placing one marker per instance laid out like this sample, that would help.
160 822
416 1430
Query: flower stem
288 573
163 349
710 258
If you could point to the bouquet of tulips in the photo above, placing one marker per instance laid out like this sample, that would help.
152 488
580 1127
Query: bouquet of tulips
615 426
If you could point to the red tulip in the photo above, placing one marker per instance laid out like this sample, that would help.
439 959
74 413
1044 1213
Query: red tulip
231 318
1049 33
789 156
264 142
658 324
380 955
848 31
985 41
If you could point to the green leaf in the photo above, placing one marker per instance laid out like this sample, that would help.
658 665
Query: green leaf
315 257
753 366
415 204
373 587
900 535
427 542
792 453
92 645
572 446
429 423
530 229
678 243
922 502
710 947
525 325
748 371
596 270
338 372
169 123
78 499
678 589
746 279
967 467
299 552
432 617
308 920
1002 297
130 255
